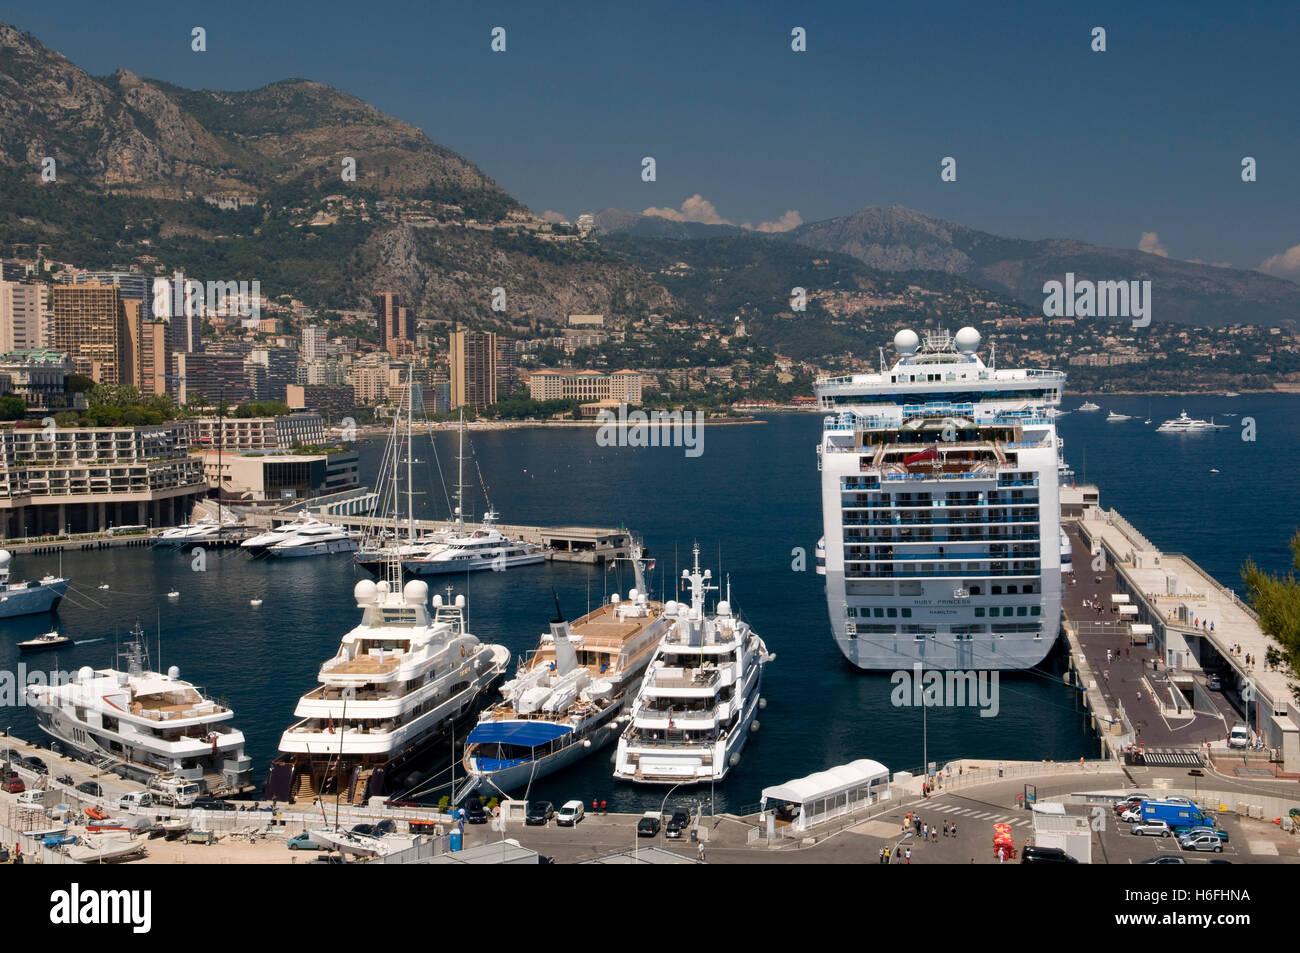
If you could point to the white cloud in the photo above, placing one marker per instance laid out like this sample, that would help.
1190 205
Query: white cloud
1150 243
695 209
791 219
1285 265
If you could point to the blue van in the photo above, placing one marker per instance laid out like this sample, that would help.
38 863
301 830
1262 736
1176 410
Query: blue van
1174 813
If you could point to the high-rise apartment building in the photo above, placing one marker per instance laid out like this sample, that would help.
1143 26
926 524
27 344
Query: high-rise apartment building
90 323
313 343
472 359
23 321
396 325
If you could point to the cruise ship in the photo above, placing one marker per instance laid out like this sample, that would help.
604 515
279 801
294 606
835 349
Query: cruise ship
700 693
941 509
389 698
145 724
565 701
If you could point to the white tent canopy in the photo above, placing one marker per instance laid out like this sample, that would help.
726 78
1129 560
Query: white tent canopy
1141 628
830 793
1128 610
1119 597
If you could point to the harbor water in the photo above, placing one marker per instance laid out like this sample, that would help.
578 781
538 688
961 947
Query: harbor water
751 500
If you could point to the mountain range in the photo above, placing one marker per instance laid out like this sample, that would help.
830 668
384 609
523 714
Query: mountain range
900 239
237 184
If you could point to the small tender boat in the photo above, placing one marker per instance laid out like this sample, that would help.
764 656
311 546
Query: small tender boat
173 594
44 643
1115 418
254 602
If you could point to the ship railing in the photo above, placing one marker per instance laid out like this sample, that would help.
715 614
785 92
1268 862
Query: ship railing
690 678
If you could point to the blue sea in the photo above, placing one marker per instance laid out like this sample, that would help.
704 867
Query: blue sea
751 501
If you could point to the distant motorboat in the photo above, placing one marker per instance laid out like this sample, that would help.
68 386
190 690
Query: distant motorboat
1114 418
28 598
1232 393
173 594
1089 406
44 643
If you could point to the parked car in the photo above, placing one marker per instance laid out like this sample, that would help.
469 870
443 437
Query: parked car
570 814
1045 855
1128 803
677 823
90 788
538 813
1193 831
35 764
1165 859
213 804
475 812
1202 842
31 799
1131 814
13 784
648 825
1214 683
1239 737
303 842
1156 828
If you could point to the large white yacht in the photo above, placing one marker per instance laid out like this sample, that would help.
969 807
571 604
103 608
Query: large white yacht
28 598
700 693
259 544
565 698
941 509
466 551
145 723
320 540
1184 424
400 682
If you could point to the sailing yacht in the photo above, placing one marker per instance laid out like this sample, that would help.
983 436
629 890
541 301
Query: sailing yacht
147 723
700 693
566 697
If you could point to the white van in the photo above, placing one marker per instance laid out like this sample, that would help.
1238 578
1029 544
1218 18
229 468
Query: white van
31 798
570 814
1239 737
134 800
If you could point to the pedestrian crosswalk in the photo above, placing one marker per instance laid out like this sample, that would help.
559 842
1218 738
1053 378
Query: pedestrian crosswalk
952 811
1172 757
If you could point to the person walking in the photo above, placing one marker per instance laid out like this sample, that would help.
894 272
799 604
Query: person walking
882 855
887 853
934 835
701 851
925 832
909 857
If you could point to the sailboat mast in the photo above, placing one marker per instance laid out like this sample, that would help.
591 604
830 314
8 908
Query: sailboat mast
410 451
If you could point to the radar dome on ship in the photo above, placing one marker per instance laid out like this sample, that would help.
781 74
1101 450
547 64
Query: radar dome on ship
724 607
416 592
174 672
364 591
906 341
967 340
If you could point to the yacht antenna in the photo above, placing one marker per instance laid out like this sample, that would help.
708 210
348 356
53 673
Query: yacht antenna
559 616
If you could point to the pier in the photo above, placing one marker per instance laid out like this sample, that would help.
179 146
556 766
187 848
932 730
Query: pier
1145 672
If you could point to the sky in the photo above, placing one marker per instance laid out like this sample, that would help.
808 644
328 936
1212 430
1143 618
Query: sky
1137 146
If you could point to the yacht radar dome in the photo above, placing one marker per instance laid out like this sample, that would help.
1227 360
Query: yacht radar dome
724 608
906 342
416 592
967 341
174 672
364 591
